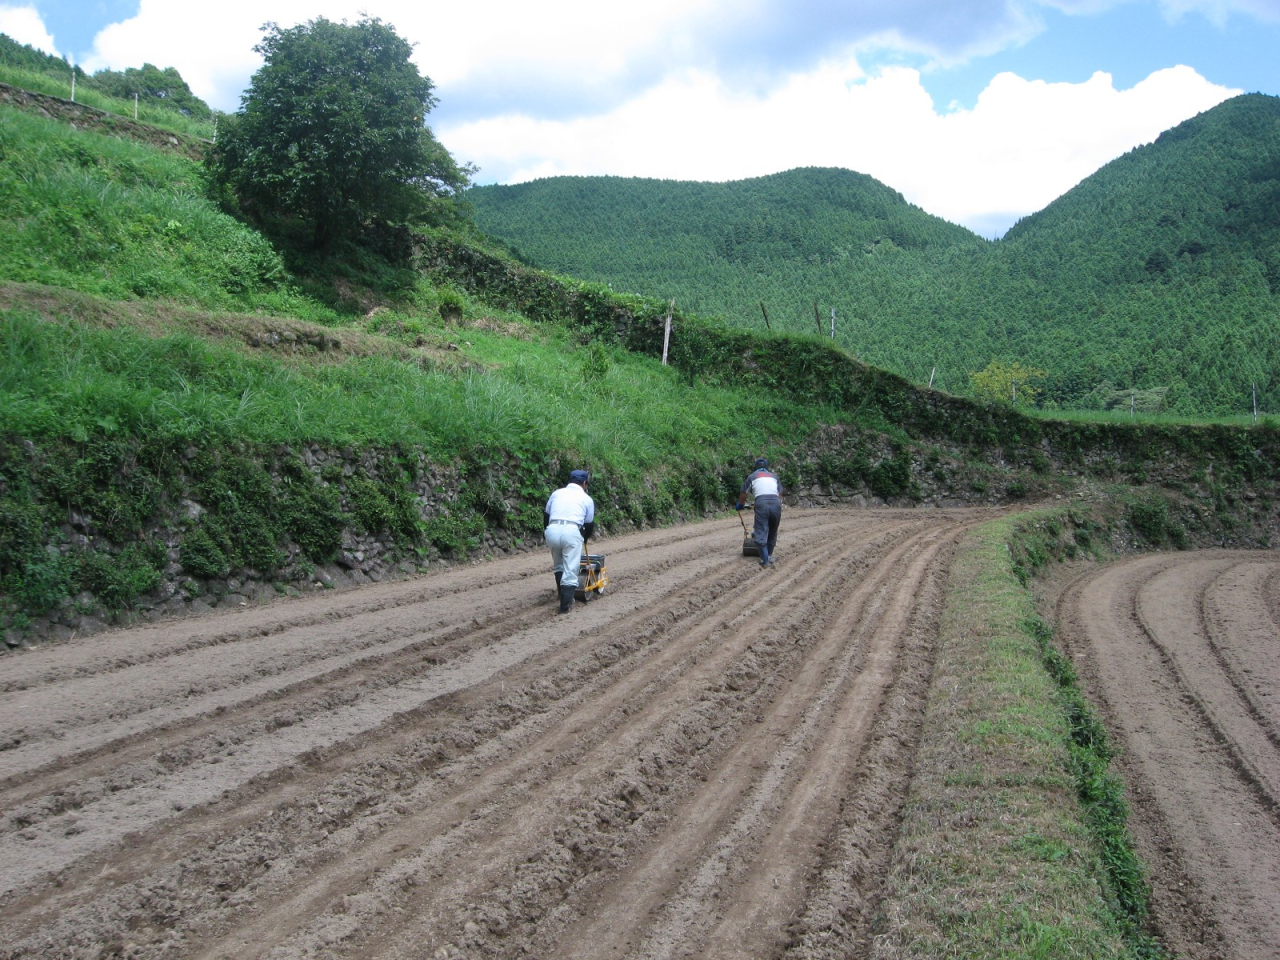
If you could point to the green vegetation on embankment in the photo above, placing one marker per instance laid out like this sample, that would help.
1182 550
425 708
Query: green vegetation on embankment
1014 840
149 94
172 386
157 348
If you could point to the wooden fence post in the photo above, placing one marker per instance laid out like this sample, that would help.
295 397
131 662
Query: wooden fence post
766 316
666 333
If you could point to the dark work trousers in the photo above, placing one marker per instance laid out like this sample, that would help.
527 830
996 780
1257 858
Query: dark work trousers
768 516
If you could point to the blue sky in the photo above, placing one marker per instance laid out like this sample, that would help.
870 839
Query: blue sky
980 111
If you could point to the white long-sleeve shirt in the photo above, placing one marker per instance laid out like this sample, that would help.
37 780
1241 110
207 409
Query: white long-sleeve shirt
571 503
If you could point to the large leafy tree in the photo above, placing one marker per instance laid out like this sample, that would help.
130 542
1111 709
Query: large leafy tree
331 132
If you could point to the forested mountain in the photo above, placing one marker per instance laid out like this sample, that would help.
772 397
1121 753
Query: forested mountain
1156 280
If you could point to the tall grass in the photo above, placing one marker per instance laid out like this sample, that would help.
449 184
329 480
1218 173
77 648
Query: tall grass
69 380
1004 849
1156 419
39 82
107 216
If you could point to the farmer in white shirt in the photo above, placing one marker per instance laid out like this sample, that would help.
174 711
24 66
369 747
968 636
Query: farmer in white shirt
570 514
767 490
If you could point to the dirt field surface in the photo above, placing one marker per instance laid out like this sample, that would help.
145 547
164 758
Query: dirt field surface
443 767
710 760
1182 653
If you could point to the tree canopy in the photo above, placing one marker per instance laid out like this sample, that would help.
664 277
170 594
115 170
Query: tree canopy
331 132
151 84
1009 383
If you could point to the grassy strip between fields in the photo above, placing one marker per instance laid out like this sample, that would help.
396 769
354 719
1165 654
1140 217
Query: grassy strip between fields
1013 842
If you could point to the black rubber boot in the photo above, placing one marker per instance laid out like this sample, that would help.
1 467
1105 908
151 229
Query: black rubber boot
566 598
559 574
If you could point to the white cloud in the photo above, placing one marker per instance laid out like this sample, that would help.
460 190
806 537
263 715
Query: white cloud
24 25
702 90
1022 145
518 42
1217 11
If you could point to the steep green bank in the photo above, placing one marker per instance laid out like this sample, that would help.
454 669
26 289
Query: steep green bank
210 417
812 370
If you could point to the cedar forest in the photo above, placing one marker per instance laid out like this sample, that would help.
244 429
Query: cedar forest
1153 285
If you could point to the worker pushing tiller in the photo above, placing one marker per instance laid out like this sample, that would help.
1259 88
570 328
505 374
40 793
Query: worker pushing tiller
766 488
570 520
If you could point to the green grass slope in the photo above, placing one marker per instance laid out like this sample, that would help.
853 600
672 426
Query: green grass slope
157 351
162 97
183 405
1154 280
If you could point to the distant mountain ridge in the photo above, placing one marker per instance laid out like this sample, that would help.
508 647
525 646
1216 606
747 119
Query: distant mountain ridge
1158 275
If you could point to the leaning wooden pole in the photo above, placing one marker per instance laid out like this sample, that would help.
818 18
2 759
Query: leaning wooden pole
666 333
766 316
817 317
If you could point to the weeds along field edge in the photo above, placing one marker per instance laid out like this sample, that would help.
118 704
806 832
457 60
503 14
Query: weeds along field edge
1013 840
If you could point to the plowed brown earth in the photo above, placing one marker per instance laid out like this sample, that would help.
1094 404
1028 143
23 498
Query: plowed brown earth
1183 651
444 767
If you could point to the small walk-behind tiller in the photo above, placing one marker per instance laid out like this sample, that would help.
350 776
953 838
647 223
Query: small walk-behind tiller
749 546
592 577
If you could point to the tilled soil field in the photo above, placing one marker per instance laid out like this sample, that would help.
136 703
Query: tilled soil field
444 767
710 760
1182 653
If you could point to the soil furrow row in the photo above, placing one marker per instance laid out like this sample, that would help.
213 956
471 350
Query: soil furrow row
704 656
652 883
1238 631
758 871
133 804
1216 702
1204 824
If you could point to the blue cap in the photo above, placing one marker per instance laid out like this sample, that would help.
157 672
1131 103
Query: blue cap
578 476
761 462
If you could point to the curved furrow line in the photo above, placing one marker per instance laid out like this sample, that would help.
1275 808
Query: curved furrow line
1218 708
1093 621
1204 825
1271 595
1244 611
681 692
